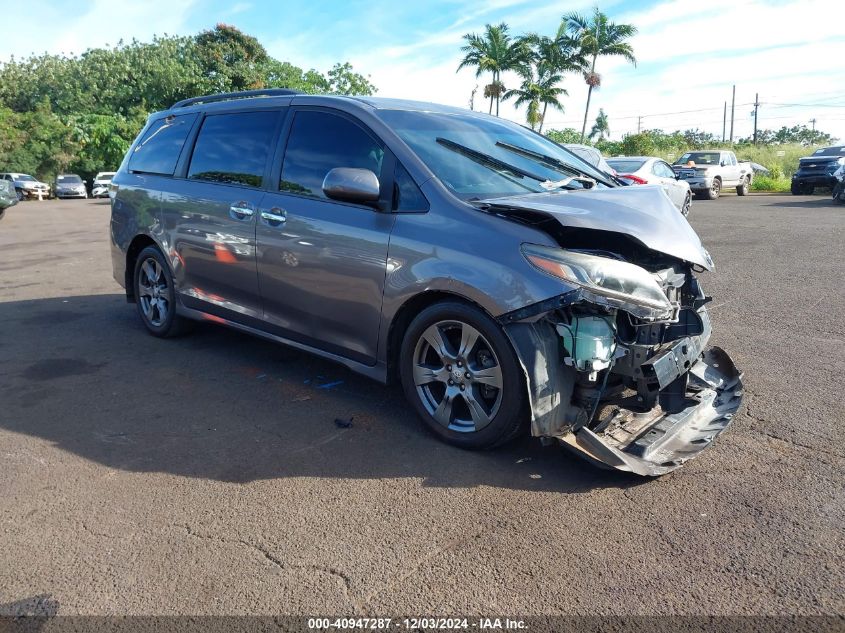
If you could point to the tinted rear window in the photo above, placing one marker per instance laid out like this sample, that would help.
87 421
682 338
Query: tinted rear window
830 151
626 166
233 148
158 152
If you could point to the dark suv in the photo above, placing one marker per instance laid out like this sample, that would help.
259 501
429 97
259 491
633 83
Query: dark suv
501 279
817 170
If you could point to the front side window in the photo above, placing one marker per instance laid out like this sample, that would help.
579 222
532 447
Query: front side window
233 148
320 142
158 152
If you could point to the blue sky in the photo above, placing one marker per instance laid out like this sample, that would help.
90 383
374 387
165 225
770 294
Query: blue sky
791 52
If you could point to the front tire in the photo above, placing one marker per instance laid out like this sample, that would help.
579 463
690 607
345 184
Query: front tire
461 375
155 295
742 189
685 208
715 189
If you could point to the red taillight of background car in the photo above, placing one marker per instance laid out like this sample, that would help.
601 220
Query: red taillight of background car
634 180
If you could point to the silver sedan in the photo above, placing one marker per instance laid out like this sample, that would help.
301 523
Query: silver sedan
647 170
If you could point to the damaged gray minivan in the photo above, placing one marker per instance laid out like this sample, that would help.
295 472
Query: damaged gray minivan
505 282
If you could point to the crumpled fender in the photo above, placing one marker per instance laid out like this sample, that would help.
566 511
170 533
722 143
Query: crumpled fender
549 382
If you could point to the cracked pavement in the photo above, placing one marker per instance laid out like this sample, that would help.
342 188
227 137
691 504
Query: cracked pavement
206 475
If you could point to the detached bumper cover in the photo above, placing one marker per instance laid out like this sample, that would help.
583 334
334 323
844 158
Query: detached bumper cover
654 443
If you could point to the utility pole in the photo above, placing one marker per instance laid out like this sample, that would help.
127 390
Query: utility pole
756 107
733 104
639 124
813 121
724 121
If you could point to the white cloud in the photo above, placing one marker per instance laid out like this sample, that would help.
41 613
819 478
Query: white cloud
105 22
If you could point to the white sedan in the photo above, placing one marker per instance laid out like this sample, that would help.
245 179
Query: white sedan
647 170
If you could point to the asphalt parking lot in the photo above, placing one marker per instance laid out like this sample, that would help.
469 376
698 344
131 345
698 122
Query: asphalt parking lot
207 475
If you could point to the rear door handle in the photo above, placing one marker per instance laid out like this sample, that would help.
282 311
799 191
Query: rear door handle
240 211
274 217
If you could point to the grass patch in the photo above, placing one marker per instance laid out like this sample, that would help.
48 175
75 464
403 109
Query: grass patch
767 183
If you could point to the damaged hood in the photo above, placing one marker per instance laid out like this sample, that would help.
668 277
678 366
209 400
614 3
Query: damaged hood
643 212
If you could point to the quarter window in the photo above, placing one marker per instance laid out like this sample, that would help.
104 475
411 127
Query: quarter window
318 143
406 195
233 148
158 152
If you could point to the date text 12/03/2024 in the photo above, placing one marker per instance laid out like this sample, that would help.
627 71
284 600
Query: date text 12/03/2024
375 624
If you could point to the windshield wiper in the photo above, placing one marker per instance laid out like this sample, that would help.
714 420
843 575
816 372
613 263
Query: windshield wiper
550 161
487 160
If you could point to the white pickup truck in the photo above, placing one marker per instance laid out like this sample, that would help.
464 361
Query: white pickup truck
710 171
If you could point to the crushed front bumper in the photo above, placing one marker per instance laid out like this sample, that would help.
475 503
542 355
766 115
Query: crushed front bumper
654 443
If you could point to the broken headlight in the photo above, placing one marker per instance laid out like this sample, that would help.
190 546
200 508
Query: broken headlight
607 281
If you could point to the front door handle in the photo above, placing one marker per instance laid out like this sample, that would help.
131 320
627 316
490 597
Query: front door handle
240 211
274 217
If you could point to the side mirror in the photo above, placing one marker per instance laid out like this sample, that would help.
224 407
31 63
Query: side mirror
349 184
724 163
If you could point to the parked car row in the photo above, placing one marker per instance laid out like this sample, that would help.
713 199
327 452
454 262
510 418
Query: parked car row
24 186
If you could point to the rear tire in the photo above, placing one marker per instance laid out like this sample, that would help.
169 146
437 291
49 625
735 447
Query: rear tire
155 295
742 189
461 375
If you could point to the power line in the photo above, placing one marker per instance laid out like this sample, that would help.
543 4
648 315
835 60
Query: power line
807 105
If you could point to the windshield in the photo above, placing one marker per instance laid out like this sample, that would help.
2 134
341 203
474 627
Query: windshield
25 177
69 180
106 176
625 166
699 158
478 157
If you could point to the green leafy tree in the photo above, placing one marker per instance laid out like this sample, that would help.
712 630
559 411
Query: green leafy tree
638 145
81 113
567 135
36 142
344 81
230 59
598 37
495 52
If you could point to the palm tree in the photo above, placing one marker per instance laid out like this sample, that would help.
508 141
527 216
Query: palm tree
495 52
600 128
598 37
528 93
550 92
552 57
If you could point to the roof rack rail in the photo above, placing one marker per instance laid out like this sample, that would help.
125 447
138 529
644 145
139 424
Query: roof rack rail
227 96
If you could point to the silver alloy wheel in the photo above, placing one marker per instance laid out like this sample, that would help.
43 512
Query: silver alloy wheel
153 292
687 203
715 188
458 376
